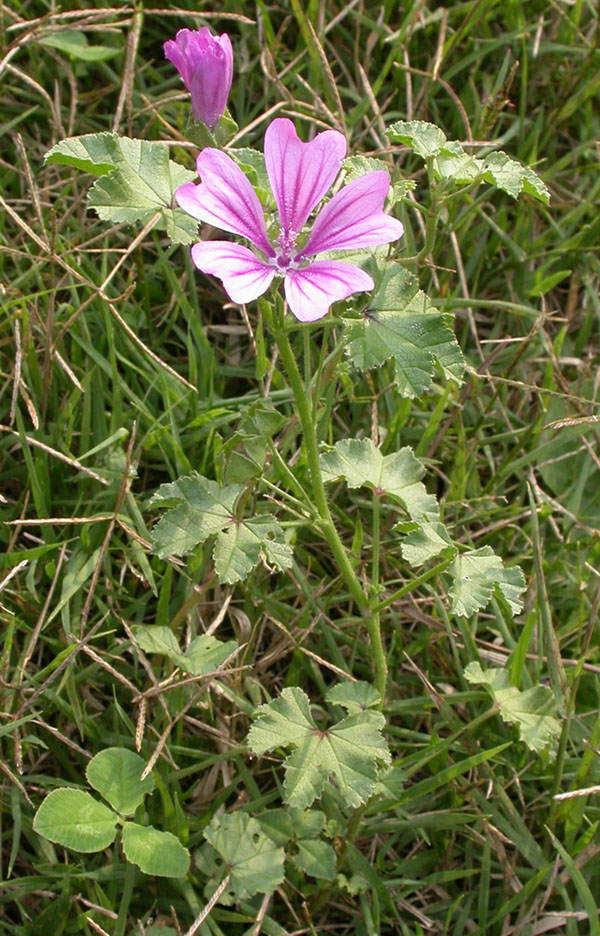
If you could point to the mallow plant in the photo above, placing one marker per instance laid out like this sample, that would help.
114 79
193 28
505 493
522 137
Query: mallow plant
303 237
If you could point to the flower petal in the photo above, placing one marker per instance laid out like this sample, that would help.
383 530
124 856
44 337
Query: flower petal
210 79
300 173
244 276
205 63
353 218
225 199
310 291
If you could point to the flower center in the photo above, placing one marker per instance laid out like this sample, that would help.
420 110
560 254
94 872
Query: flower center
287 242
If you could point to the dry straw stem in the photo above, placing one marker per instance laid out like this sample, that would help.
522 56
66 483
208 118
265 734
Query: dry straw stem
99 290
73 462
123 488
211 903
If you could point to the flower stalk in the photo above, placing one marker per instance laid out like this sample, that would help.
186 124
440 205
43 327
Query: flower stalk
304 411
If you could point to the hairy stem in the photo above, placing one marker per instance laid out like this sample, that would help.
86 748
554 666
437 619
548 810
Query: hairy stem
338 550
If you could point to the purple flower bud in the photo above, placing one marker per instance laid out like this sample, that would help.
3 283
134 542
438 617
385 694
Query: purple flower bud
205 62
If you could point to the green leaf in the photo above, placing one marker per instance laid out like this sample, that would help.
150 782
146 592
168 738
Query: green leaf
400 189
354 696
543 284
348 751
244 454
200 508
401 323
137 180
155 638
581 885
510 176
424 139
451 162
239 548
75 43
281 825
94 152
155 852
424 541
357 166
204 654
225 130
456 165
143 183
360 462
75 819
532 710
391 782
476 574
316 858
307 823
115 774
253 861
252 164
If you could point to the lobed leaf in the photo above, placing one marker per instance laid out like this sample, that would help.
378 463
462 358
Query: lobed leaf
239 547
450 161
401 324
424 139
316 858
510 176
476 574
361 463
281 825
348 751
97 153
424 541
136 180
199 508
204 654
532 711
252 860
354 696
357 166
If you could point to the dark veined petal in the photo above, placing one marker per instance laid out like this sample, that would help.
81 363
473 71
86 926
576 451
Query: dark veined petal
300 173
225 199
354 218
244 276
310 291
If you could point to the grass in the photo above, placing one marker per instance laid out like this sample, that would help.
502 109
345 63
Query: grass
117 378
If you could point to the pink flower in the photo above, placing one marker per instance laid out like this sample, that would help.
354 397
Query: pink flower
299 174
205 62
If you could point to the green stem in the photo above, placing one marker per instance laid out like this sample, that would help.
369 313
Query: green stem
430 232
327 526
414 583
126 895
373 623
